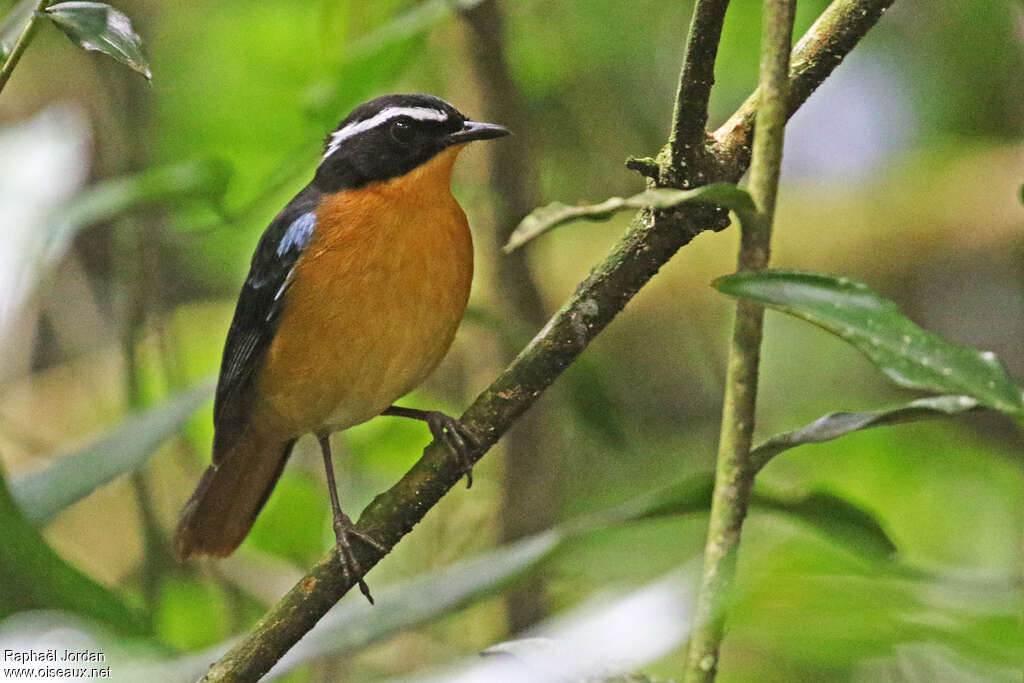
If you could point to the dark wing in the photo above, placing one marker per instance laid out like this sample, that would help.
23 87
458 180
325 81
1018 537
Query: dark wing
257 314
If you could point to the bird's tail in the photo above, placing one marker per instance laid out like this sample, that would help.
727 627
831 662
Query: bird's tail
230 495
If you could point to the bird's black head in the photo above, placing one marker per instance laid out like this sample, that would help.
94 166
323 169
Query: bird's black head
390 136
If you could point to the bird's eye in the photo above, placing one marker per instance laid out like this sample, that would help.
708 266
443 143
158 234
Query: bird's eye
402 130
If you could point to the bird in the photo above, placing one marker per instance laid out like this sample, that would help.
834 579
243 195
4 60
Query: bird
353 297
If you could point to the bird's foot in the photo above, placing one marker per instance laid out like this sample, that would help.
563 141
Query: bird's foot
449 431
344 532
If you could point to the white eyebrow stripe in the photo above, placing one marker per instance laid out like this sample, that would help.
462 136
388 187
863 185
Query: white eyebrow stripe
418 113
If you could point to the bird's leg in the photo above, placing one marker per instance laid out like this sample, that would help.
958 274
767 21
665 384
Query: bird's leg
343 526
447 430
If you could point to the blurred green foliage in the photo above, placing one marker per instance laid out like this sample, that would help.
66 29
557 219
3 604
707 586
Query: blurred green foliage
36 578
934 225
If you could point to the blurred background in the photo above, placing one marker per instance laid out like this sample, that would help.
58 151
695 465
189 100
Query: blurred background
130 211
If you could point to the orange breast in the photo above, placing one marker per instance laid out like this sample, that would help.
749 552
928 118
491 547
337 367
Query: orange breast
374 302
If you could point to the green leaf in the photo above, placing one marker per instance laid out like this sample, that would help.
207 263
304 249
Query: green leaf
908 355
98 26
835 425
13 24
836 517
826 512
33 576
551 216
692 494
203 180
72 477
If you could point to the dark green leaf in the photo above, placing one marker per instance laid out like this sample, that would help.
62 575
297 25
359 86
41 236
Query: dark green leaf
551 216
32 576
908 355
826 512
692 494
839 519
834 425
72 477
98 26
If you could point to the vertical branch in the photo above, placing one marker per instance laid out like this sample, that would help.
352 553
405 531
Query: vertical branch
690 114
734 476
7 68
530 482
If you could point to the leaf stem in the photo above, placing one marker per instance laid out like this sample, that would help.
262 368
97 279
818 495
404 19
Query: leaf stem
734 476
7 68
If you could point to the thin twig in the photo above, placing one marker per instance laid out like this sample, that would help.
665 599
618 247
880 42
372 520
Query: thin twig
7 68
734 476
650 242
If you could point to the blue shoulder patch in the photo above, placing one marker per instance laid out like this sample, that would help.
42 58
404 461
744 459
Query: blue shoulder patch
298 234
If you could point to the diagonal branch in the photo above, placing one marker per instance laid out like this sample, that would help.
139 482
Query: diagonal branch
650 242
820 50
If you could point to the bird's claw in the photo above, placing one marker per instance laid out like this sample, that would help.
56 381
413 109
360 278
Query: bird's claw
349 564
449 431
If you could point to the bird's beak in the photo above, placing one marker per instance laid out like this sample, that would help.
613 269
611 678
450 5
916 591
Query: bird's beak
476 130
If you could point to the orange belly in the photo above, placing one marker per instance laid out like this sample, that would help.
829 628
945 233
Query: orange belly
373 305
